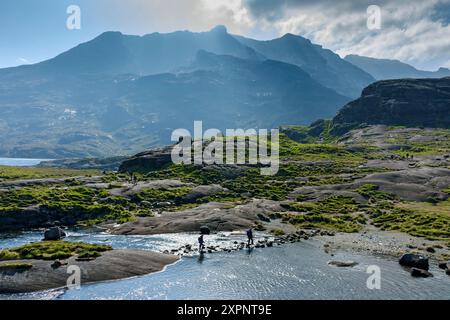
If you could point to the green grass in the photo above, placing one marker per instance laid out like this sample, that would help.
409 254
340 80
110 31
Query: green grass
25 197
73 205
18 173
277 232
15 266
335 213
51 250
372 192
417 219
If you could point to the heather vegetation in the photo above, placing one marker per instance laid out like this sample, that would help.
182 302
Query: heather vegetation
309 158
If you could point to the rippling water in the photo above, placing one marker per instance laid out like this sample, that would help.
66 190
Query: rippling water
294 271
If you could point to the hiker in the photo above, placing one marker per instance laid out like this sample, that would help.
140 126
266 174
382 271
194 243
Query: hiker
201 243
250 236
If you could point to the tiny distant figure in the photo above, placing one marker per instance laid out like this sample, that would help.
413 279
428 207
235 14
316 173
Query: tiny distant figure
250 237
201 243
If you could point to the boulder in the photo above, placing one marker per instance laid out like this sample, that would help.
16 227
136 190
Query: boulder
415 261
58 263
148 161
407 102
444 265
431 250
420 273
205 230
54 234
262 217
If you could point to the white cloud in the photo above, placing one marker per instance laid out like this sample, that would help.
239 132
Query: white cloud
410 30
414 31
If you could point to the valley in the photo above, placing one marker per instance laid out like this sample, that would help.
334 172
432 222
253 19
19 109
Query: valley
363 177
378 182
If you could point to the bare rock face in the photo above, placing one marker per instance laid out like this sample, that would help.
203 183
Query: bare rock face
111 265
417 184
204 191
408 102
214 215
148 161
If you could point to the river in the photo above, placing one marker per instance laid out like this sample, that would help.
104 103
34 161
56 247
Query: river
291 271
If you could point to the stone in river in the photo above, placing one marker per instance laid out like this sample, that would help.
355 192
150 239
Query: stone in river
416 272
342 263
415 261
53 234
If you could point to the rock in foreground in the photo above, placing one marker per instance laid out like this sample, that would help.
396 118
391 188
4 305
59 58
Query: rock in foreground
111 265
414 261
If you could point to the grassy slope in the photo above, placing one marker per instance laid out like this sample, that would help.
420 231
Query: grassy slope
333 164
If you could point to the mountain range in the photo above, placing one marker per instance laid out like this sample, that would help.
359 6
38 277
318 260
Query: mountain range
119 94
385 69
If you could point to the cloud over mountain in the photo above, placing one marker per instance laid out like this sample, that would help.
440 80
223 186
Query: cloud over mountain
415 31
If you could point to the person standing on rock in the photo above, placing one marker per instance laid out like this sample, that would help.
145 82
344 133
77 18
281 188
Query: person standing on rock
250 237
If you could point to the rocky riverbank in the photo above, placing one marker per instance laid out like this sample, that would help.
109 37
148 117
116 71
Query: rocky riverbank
20 276
389 243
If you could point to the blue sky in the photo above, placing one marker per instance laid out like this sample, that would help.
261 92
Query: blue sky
414 31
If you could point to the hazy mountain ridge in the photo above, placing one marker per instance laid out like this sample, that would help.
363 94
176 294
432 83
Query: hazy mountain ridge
98 115
385 69
119 94
323 65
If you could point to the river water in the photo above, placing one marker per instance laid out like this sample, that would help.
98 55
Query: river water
292 271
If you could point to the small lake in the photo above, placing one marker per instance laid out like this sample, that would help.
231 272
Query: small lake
18 162
292 271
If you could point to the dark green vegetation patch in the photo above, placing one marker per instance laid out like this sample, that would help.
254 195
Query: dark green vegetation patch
51 250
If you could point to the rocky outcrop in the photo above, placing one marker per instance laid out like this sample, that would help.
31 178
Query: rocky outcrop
445 265
148 161
214 215
414 261
111 265
204 191
408 102
416 184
